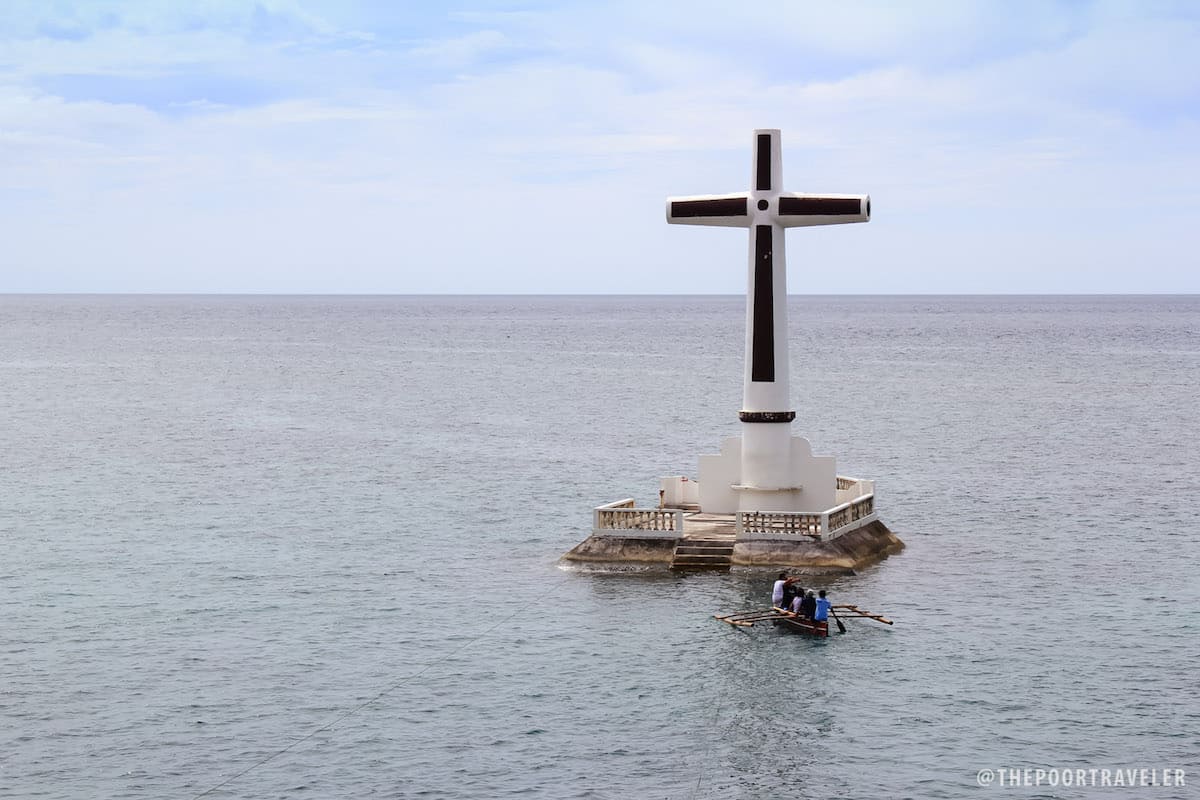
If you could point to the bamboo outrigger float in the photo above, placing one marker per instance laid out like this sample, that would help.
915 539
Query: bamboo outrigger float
779 617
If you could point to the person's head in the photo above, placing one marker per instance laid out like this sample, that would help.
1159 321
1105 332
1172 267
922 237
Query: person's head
783 576
799 591
821 593
810 594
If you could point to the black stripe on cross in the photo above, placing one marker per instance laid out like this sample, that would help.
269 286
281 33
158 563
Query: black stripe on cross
819 206
725 207
762 349
762 163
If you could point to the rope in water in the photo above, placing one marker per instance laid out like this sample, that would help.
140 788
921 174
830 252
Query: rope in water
708 746
388 690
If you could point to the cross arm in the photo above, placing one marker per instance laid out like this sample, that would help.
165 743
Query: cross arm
798 209
727 210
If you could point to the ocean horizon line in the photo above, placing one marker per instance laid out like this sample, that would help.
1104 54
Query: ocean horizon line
583 294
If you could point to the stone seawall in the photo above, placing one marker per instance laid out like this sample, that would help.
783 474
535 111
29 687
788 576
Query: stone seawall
624 550
847 553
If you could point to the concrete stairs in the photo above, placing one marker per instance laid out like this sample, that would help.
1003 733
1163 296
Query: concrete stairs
703 552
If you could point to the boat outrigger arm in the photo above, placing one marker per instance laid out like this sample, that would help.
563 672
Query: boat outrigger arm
851 611
746 619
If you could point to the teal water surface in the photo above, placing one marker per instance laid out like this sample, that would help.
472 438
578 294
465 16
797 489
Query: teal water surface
307 546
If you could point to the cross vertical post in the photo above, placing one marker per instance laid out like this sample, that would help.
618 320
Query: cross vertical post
768 474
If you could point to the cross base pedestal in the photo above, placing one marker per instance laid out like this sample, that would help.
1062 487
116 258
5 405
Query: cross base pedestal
806 483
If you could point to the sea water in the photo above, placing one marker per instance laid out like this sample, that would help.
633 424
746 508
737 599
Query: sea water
308 546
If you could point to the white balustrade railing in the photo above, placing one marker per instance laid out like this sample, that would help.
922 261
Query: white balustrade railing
624 516
824 526
782 522
848 516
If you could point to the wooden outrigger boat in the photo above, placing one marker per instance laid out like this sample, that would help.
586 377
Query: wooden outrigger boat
781 618
797 624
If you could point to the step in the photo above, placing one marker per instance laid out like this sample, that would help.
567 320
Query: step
722 566
703 552
701 562
684 549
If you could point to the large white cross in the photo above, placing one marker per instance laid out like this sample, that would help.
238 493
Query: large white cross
766 209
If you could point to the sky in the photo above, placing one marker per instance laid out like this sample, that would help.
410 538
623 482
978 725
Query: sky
335 146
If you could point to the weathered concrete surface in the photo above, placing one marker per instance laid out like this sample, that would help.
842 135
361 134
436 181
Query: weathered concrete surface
708 525
623 549
844 554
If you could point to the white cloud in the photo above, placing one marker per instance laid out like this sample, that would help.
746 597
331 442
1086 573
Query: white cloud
462 51
533 152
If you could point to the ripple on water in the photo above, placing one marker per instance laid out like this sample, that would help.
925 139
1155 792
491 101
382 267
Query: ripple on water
230 522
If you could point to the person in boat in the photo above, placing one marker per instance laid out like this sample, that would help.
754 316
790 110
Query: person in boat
777 590
790 592
797 601
821 608
809 605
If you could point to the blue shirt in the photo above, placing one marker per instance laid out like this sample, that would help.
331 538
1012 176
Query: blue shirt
822 610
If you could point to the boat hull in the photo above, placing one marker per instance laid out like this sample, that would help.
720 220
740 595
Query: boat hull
805 626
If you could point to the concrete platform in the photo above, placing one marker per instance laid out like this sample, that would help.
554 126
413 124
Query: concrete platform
843 555
697 524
